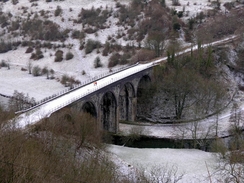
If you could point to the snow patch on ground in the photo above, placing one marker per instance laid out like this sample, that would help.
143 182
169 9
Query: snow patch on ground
194 164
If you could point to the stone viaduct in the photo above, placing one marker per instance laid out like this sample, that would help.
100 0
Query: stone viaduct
108 103
115 102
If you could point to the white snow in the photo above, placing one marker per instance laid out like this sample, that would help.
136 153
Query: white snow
193 163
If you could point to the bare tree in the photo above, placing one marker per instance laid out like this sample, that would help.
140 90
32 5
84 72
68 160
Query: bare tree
52 73
156 41
29 66
236 128
20 101
175 2
231 162
46 71
189 83
165 174
59 149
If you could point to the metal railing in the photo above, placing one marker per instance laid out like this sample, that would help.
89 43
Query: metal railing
89 81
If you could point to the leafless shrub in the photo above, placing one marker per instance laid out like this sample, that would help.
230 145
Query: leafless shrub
124 58
36 71
4 63
37 55
229 5
4 20
90 30
106 49
23 69
156 18
29 50
175 3
69 81
126 16
48 45
69 56
114 60
20 101
93 17
76 34
58 11
165 174
43 30
91 45
15 25
97 62
58 56
143 55
14 2
5 46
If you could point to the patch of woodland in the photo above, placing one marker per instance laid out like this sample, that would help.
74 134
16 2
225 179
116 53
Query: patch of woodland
140 18
186 88
149 25
233 56
4 19
38 46
33 26
230 155
93 19
6 46
76 34
38 71
67 147
19 101
221 25
5 114
91 45
240 53
119 55
118 59
43 44
38 54
47 30
69 81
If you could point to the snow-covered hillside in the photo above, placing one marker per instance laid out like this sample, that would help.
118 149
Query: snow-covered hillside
40 87
193 163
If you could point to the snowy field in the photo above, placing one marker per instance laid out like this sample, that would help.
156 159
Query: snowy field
193 164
